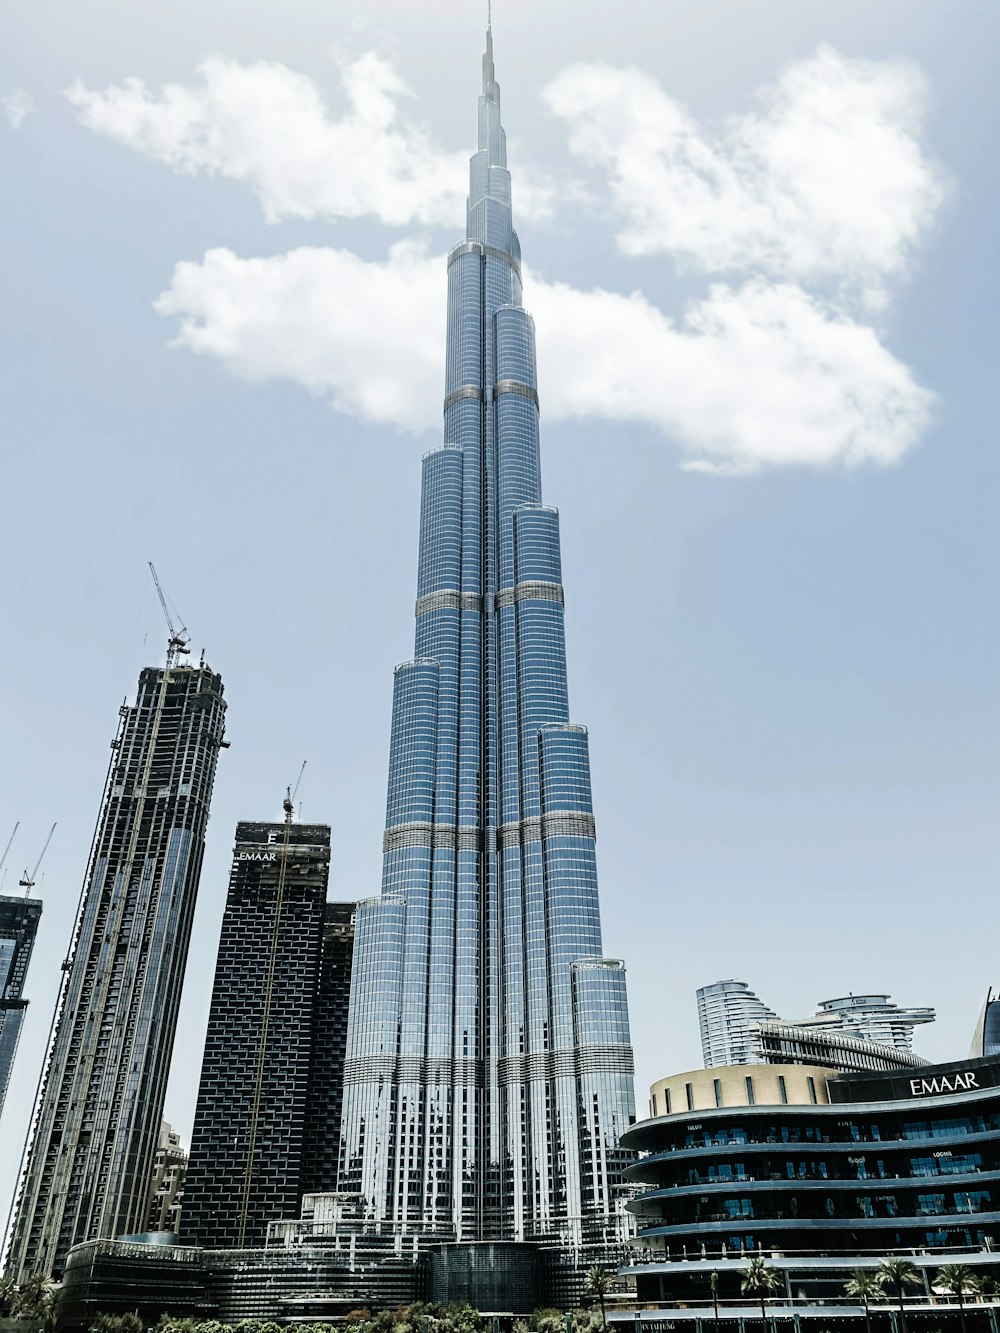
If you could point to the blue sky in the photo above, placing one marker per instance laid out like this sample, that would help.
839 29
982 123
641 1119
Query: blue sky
760 240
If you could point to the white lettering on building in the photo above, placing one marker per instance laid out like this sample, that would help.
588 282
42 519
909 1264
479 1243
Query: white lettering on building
929 1087
257 856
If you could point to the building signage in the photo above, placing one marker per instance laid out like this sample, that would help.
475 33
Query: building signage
257 856
930 1087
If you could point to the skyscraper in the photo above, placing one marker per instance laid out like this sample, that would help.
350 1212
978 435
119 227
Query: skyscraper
849 1032
167 1191
489 1071
728 1014
274 1047
19 919
97 1120
325 1093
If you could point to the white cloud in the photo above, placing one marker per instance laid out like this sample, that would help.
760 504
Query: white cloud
753 377
368 335
757 376
825 180
268 127
808 206
17 106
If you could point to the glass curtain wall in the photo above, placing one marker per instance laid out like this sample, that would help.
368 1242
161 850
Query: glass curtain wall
489 1072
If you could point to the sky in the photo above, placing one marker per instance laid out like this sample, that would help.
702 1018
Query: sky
760 249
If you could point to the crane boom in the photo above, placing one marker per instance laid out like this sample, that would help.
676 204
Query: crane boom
179 640
28 881
9 841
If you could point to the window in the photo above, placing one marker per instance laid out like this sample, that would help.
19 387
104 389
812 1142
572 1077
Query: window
812 1089
689 1093
782 1090
750 1097
717 1085
666 1098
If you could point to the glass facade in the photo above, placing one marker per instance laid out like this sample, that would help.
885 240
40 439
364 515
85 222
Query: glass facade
489 1072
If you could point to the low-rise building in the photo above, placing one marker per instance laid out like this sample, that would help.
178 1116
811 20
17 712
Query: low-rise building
819 1173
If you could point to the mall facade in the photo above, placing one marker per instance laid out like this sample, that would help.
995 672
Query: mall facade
819 1173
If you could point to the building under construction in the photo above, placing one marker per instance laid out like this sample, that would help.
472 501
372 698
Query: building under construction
19 918
273 1067
97 1120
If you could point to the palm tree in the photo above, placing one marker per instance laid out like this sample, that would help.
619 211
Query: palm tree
760 1280
8 1295
864 1285
897 1274
33 1296
957 1279
713 1280
598 1283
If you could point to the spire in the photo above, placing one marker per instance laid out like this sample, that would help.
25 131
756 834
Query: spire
489 74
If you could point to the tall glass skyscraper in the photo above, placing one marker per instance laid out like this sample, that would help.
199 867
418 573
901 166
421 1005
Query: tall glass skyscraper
489 1072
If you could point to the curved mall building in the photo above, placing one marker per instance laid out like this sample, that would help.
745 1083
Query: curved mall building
821 1173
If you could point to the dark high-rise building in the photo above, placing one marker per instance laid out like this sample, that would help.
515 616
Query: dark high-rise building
271 1076
97 1120
325 1100
19 919
489 1071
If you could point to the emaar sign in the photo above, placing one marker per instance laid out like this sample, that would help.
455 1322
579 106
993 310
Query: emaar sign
930 1087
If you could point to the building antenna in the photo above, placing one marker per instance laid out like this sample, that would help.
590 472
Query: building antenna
9 841
180 640
27 883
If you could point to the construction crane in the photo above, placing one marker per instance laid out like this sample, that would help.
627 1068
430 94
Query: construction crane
27 881
292 792
179 641
3 859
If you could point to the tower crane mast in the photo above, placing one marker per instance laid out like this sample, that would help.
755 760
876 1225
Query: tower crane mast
179 641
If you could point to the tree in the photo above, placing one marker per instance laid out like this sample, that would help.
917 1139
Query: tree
118 1323
864 1286
598 1283
897 1274
36 1299
8 1295
759 1280
957 1279
547 1320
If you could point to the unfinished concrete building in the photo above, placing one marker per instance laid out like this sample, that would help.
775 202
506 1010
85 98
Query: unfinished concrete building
97 1120
19 918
